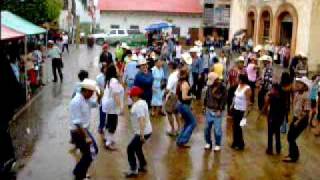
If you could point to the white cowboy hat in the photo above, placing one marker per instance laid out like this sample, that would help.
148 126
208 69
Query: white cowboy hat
124 45
134 57
198 43
305 81
142 61
211 48
187 58
258 48
194 49
50 42
143 51
90 84
265 58
212 76
240 59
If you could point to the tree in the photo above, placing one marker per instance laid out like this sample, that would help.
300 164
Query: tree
36 11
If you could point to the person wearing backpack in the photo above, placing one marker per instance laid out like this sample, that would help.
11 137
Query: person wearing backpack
214 102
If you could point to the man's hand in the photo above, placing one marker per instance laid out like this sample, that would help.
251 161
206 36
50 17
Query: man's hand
142 139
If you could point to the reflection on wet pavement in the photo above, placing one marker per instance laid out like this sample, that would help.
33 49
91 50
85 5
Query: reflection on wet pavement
51 157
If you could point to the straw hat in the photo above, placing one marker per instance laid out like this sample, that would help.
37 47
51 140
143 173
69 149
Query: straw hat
258 48
212 76
305 81
240 59
198 43
187 58
142 61
124 45
265 58
90 84
194 49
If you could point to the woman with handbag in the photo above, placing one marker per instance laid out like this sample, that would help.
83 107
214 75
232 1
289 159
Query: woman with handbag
240 106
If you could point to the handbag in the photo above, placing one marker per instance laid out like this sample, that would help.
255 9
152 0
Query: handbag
170 103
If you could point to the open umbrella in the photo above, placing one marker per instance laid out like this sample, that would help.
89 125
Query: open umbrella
158 26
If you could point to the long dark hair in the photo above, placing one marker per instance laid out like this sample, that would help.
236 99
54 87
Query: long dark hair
110 73
183 76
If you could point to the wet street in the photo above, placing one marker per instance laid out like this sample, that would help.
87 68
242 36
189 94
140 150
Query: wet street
42 138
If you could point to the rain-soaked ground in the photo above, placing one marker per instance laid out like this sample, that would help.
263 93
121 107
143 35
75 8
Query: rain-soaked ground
42 138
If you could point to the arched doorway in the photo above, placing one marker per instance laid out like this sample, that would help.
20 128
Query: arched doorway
265 25
286 20
251 22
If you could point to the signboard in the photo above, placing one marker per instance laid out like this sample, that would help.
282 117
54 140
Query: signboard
221 18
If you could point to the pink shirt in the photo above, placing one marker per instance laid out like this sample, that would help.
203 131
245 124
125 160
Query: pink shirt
252 72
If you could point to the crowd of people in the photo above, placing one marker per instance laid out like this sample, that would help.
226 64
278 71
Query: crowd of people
165 79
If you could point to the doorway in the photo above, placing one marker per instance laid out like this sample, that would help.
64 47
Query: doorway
286 27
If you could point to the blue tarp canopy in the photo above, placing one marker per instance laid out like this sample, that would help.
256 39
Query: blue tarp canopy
158 26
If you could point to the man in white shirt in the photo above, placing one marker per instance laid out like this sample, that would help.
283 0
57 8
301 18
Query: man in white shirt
140 121
65 42
171 99
79 122
54 54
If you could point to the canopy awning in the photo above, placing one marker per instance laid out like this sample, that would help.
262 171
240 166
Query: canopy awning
158 26
7 33
19 24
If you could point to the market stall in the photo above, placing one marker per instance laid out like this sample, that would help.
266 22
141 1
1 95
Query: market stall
32 37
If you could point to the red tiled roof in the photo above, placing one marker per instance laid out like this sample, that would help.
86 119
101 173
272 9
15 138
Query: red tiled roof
164 6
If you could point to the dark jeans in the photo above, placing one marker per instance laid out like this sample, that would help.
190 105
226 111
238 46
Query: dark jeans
189 123
261 98
197 85
102 119
237 130
56 66
252 85
112 122
293 134
135 149
274 130
80 171
65 46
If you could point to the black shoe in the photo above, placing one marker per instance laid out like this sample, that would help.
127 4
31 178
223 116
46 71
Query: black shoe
142 170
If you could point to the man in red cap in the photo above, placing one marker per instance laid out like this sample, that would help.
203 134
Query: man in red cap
106 56
140 120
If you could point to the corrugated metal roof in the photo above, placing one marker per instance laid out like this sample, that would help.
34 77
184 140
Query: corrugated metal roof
7 33
167 6
19 24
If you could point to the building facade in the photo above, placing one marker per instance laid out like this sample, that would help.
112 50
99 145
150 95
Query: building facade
284 22
127 14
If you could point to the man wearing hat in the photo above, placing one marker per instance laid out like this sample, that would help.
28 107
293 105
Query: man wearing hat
54 54
130 72
140 121
196 70
266 79
144 80
301 109
79 122
214 103
106 56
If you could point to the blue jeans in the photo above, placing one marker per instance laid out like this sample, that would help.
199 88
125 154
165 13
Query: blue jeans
212 119
189 123
102 121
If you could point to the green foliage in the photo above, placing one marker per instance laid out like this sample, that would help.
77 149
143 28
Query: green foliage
36 11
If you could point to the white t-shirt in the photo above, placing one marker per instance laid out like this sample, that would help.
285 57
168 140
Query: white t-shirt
172 82
178 51
140 109
65 39
108 102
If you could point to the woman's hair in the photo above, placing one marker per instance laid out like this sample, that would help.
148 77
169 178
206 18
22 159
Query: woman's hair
183 74
243 78
111 73
285 79
83 74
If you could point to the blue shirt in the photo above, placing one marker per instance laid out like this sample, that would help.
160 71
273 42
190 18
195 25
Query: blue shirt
130 71
196 66
145 81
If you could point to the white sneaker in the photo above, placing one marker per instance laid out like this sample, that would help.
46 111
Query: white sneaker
217 148
207 146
